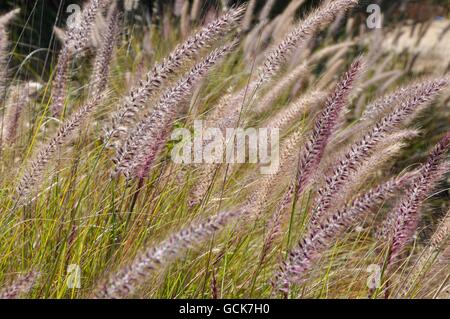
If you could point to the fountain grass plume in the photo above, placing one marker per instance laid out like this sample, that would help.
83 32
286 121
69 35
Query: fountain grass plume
266 101
99 78
126 281
407 212
437 244
76 39
4 44
19 96
324 127
78 35
384 104
293 111
363 148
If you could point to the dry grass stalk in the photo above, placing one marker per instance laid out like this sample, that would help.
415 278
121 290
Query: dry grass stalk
185 24
265 11
196 10
248 17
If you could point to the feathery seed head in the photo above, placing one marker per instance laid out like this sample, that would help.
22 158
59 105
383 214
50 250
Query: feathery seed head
4 43
144 143
297 37
7 17
362 149
104 56
78 35
19 97
32 178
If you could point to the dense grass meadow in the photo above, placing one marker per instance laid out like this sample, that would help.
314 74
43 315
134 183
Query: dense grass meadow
98 100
